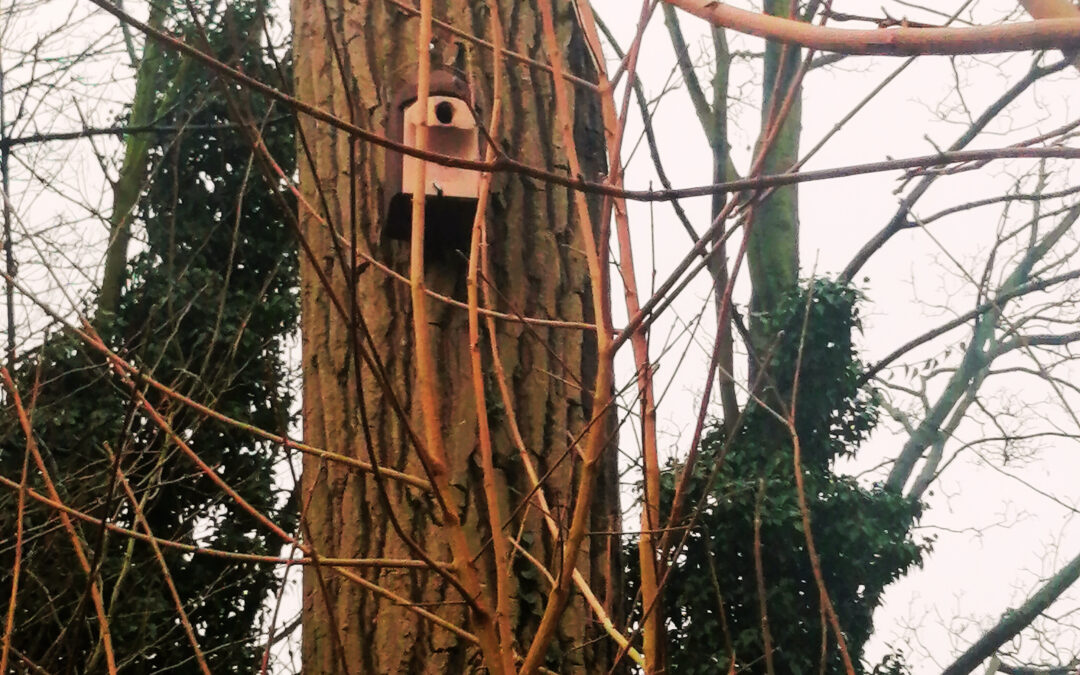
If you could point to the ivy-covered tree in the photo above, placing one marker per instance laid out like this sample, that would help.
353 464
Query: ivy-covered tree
748 534
208 302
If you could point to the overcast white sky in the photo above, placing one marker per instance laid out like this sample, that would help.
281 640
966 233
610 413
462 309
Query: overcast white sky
997 538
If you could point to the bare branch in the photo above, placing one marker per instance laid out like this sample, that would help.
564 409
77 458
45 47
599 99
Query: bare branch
901 41
1013 621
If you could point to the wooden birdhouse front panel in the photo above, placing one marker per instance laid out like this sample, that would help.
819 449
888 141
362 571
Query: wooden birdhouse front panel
450 193
453 132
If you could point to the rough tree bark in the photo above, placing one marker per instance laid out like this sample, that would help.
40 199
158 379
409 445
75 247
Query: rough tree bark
539 269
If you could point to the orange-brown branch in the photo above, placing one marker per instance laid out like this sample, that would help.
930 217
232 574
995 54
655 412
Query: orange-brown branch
602 394
437 459
95 592
1056 33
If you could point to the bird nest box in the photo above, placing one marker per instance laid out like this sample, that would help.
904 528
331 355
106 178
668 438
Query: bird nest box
450 193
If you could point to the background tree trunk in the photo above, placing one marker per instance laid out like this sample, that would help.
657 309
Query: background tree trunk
773 252
130 181
539 269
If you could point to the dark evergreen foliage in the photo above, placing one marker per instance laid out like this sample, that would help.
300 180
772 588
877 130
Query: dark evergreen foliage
210 302
862 534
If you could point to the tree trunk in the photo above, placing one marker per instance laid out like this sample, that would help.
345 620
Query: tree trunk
132 176
773 251
539 269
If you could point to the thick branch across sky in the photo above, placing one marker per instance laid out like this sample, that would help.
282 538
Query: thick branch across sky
1014 621
1053 33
